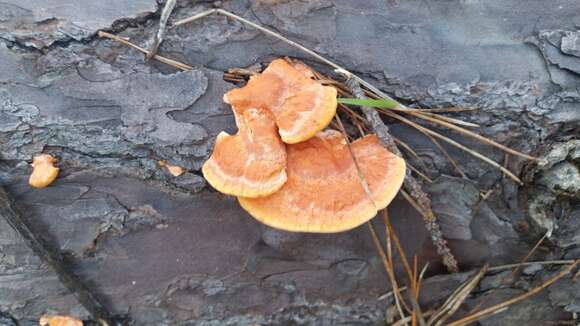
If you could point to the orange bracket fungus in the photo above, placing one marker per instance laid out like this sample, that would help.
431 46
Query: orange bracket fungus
312 183
44 172
251 163
324 192
301 106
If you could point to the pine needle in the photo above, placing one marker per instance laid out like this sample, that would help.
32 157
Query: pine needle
498 307
157 57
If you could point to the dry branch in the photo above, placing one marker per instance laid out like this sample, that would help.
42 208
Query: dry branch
411 185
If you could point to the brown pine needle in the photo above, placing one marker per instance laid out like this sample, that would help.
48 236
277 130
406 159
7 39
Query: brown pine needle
450 120
411 152
391 236
530 263
456 299
420 279
456 144
452 109
361 175
472 134
495 308
417 113
165 60
407 148
196 17
390 272
512 275
575 277
445 153
415 275
409 318
496 269
420 113
419 173
532 251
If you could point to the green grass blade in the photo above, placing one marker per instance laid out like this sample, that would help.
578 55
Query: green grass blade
382 103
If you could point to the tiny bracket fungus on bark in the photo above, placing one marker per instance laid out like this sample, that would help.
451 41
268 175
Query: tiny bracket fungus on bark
313 183
48 320
174 170
301 106
44 172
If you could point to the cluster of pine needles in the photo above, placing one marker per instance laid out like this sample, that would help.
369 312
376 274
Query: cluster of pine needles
406 298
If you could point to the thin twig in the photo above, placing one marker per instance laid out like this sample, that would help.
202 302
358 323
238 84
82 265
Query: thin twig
165 13
165 60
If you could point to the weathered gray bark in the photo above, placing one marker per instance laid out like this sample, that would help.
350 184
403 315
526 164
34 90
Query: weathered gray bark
169 249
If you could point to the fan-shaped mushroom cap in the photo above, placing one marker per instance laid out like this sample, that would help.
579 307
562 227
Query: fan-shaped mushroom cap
324 192
300 105
251 163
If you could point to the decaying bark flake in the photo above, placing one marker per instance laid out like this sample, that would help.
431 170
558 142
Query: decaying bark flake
411 185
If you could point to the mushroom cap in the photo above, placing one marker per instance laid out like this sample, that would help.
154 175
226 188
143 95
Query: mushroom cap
300 105
251 163
324 192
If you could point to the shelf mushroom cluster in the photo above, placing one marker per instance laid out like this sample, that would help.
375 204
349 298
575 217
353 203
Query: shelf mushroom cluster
287 172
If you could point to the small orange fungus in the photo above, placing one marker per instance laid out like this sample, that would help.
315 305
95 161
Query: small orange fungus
59 321
173 169
44 172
